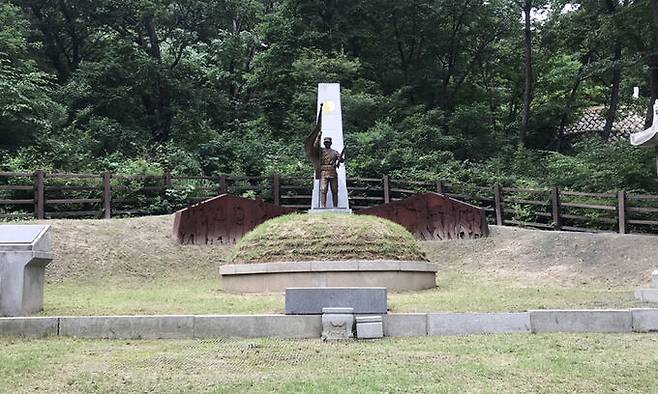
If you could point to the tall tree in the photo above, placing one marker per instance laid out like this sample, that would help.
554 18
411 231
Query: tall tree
526 8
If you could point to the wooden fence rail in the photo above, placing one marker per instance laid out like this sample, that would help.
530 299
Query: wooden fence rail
51 195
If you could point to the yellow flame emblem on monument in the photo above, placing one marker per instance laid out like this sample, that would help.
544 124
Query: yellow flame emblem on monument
328 106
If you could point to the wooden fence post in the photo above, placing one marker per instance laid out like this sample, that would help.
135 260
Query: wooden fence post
621 211
555 199
39 195
222 184
107 195
276 189
440 187
167 180
498 199
387 189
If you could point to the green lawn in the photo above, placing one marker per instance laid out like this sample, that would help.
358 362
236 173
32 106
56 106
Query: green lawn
455 292
490 363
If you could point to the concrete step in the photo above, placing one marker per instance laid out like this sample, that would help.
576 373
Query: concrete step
647 295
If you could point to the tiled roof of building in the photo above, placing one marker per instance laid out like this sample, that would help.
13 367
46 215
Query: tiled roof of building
592 120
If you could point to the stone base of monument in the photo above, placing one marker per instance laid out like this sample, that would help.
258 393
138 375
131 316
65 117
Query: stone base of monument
276 277
650 294
330 210
25 250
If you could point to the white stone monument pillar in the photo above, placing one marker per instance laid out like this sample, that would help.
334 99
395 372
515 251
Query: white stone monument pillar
332 126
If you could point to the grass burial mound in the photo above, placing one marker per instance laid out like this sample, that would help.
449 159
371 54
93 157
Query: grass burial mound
304 237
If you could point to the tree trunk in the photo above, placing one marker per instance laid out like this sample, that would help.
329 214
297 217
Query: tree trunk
54 48
76 41
572 97
160 105
652 62
654 11
614 94
527 91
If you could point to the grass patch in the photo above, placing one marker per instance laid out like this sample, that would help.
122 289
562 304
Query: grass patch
164 296
456 292
488 363
300 237
459 292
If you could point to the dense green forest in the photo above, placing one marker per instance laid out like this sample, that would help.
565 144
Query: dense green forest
471 90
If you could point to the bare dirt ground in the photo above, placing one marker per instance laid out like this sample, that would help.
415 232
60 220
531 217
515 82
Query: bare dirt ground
141 248
144 248
560 258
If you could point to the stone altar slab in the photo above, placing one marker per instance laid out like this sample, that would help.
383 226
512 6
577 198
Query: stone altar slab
25 250
312 300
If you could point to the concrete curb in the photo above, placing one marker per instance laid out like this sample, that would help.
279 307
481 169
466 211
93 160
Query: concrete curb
405 324
127 327
310 326
477 323
33 327
583 320
254 326
644 319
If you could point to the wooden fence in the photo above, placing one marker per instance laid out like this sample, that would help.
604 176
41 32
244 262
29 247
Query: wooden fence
61 195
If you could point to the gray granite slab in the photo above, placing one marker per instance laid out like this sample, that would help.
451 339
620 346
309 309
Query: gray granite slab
311 300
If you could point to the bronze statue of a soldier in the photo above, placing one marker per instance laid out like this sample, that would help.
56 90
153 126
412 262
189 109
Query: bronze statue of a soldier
325 161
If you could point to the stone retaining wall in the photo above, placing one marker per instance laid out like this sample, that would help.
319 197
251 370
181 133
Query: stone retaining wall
309 326
276 277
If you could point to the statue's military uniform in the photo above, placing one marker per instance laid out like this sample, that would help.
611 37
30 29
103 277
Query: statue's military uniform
325 161
328 175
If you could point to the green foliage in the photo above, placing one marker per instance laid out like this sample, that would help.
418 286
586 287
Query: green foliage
27 110
430 89
603 167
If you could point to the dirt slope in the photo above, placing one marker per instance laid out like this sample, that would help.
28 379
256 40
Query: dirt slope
545 256
143 248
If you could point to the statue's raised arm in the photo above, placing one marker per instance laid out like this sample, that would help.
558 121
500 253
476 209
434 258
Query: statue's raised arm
312 144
